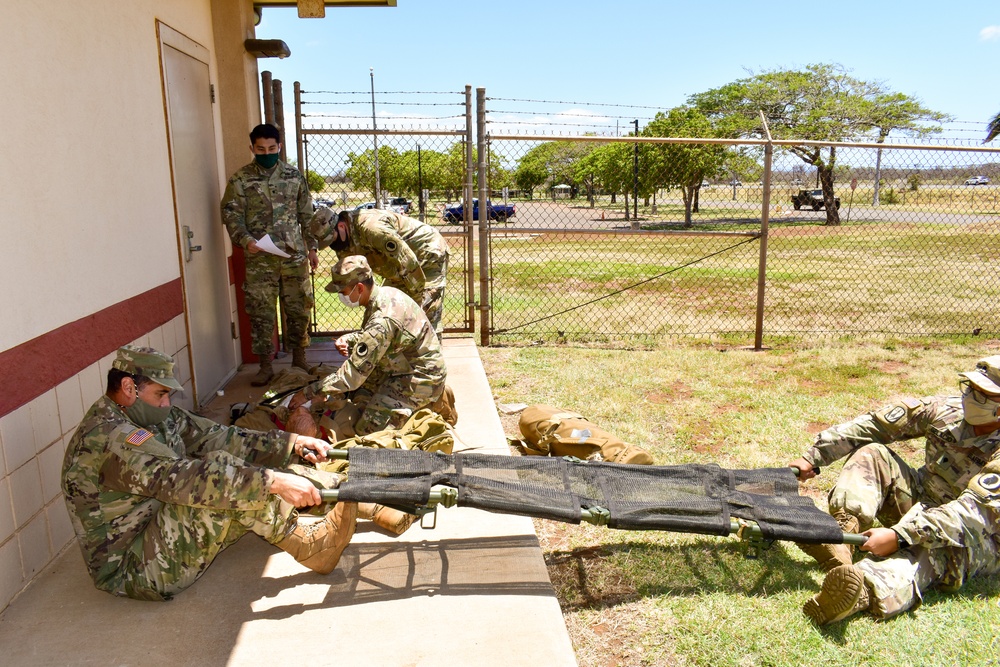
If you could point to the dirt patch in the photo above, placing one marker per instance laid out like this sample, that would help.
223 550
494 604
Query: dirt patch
816 427
677 391
894 367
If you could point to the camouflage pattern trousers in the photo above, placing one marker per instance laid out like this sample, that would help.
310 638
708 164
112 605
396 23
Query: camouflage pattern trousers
900 580
181 541
389 402
266 274
877 484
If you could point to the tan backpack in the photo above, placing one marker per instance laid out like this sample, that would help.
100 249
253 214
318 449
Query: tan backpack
551 431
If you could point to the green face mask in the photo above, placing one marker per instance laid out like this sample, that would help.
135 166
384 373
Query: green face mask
266 161
144 414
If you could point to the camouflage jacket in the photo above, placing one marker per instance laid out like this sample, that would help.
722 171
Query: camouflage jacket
398 248
116 476
954 459
279 204
395 339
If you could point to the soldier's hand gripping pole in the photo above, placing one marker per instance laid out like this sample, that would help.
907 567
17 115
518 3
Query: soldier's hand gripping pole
439 495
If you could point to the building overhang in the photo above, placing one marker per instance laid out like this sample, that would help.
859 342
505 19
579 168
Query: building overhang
309 9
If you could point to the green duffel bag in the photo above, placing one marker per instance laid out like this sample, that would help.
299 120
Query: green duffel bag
551 431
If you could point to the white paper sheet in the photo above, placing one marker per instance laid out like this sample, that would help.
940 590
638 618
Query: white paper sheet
267 245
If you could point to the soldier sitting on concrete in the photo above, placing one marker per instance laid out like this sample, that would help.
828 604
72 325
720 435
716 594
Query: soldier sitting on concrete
394 364
941 522
155 492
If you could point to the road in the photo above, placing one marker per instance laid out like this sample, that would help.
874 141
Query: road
559 215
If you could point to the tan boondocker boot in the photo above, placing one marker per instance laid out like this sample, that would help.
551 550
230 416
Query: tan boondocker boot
830 556
844 593
299 358
387 518
264 375
319 545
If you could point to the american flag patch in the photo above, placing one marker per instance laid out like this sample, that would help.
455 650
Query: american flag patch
138 437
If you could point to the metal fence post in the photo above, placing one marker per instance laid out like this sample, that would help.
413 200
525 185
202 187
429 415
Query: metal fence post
267 92
484 220
765 207
279 118
470 262
299 148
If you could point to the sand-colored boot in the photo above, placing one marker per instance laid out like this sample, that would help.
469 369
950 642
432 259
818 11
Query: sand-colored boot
387 518
318 545
264 375
299 358
830 556
844 593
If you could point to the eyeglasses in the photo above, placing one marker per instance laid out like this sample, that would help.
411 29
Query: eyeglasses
978 395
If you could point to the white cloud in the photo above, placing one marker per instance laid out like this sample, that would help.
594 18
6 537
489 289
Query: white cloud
990 33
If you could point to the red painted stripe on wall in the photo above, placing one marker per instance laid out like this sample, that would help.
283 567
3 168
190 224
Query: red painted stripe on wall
36 366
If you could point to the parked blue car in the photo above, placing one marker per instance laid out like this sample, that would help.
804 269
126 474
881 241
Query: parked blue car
499 212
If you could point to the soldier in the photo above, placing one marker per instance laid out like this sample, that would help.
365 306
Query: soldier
410 255
941 521
271 197
155 492
394 363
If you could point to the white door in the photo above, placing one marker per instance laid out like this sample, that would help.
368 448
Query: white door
202 250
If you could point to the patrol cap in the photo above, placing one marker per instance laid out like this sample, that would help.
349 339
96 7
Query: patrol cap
323 226
155 365
986 377
349 271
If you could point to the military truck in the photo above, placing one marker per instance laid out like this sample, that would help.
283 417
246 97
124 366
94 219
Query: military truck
811 198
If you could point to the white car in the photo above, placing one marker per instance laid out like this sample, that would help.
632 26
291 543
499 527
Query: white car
977 180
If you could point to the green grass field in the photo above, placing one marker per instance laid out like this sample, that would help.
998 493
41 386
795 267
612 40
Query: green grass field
652 598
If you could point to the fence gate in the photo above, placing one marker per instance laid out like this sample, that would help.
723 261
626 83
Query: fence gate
426 171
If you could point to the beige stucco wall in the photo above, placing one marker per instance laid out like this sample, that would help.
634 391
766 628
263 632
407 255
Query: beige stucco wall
87 222
88 211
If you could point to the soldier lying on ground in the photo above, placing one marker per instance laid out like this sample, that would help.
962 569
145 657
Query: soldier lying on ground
155 492
394 364
940 523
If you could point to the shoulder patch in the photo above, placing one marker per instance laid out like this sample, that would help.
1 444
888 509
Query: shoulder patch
894 415
391 246
138 436
990 482
361 349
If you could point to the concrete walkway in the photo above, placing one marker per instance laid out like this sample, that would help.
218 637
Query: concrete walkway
472 591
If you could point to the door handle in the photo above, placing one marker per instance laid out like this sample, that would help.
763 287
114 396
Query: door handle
189 247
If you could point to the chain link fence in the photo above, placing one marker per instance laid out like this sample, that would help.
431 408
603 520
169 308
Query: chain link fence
597 237
419 171
901 240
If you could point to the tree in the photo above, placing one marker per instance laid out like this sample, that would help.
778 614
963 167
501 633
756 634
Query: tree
821 103
315 181
551 162
610 166
993 129
895 111
683 166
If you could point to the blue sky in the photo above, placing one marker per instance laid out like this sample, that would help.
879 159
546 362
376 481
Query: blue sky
639 53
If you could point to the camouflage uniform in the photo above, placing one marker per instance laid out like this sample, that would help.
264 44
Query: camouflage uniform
277 203
410 255
394 366
152 507
945 513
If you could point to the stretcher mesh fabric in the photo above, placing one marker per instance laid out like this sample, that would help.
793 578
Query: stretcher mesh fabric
681 498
